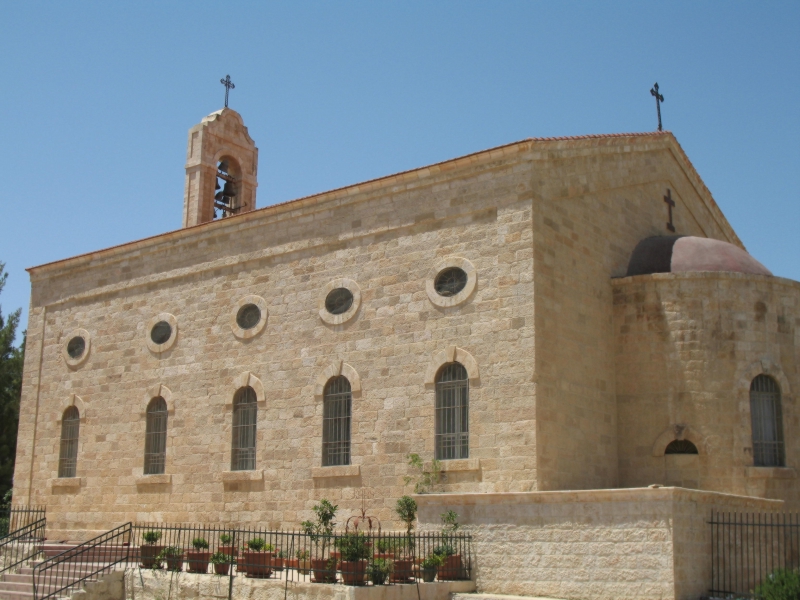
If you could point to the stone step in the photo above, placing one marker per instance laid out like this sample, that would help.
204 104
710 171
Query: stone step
477 596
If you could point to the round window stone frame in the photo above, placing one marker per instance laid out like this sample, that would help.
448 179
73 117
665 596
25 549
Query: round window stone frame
462 296
173 323
344 317
246 334
87 339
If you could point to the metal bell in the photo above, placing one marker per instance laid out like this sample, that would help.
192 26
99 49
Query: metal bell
228 190
223 166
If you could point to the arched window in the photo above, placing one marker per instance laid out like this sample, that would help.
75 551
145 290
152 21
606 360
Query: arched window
452 412
68 455
767 422
155 437
680 447
336 410
243 446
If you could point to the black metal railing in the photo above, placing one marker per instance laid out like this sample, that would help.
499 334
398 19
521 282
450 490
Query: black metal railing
355 558
746 547
13 518
85 562
21 545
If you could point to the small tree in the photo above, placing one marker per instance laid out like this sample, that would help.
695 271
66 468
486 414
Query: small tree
321 531
406 509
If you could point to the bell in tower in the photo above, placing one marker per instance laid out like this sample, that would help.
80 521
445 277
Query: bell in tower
221 169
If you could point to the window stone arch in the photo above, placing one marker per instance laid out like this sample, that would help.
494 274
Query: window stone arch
336 368
449 355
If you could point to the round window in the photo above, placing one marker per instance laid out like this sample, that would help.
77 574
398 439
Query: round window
450 281
339 301
76 347
161 332
248 316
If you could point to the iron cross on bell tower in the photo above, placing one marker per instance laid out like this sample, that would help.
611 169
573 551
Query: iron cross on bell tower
229 86
653 92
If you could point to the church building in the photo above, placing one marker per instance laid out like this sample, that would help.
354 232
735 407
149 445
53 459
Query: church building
570 325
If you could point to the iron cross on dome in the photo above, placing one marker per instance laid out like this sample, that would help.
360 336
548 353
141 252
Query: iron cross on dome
228 87
659 99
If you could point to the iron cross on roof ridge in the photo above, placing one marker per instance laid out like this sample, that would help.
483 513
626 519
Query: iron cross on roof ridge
659 100
228 87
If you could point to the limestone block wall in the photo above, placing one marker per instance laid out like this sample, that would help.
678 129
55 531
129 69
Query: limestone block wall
688 346
592 204
591 544
386 239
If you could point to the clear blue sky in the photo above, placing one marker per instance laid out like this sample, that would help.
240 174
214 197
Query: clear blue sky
97 99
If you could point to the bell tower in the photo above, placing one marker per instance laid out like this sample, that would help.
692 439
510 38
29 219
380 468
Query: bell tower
221 169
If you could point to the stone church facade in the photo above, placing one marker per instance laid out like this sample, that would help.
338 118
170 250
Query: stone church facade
502 311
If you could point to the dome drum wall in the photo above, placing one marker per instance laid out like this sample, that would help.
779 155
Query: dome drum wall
687 347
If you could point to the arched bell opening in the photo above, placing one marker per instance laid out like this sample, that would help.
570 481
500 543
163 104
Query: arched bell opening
228 189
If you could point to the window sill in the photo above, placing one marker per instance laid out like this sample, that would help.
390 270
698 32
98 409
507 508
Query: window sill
239 476
67 483
771 472
337 471
163 479
457 464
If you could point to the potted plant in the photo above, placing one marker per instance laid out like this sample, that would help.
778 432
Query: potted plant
225 545
174 557
383 547
221 562
149 552
354 550
258 559
406 510
428 567
303 562
321 533
451 567
198 560
279 561
379 571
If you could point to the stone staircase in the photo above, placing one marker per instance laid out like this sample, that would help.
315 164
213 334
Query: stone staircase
19 585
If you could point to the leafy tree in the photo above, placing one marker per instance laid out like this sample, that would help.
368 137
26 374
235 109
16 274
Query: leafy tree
10 389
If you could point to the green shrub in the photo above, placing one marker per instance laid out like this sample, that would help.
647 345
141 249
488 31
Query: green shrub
218 558
353 547
432 561
225 538
444 550
406 509
151 537
378 571
301 554
781 584
256 544
199 544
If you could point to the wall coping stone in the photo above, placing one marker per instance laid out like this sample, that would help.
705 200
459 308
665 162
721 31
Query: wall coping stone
336 471
655 494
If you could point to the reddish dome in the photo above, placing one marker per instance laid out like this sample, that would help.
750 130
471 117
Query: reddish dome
679 254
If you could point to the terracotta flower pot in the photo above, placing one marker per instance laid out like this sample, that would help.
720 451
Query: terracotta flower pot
353 572
259 564
403 571
451 568
198 561
175 563
324 570
229 550
241 567
221 568
384 555
428 574
278 563
292 563
304 566
148 553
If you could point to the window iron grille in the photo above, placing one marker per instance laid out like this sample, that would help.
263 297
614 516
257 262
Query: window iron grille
680 447
450 282
155 441
248 316
767 421
339 301
243 446
336 412
68 455
452 412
